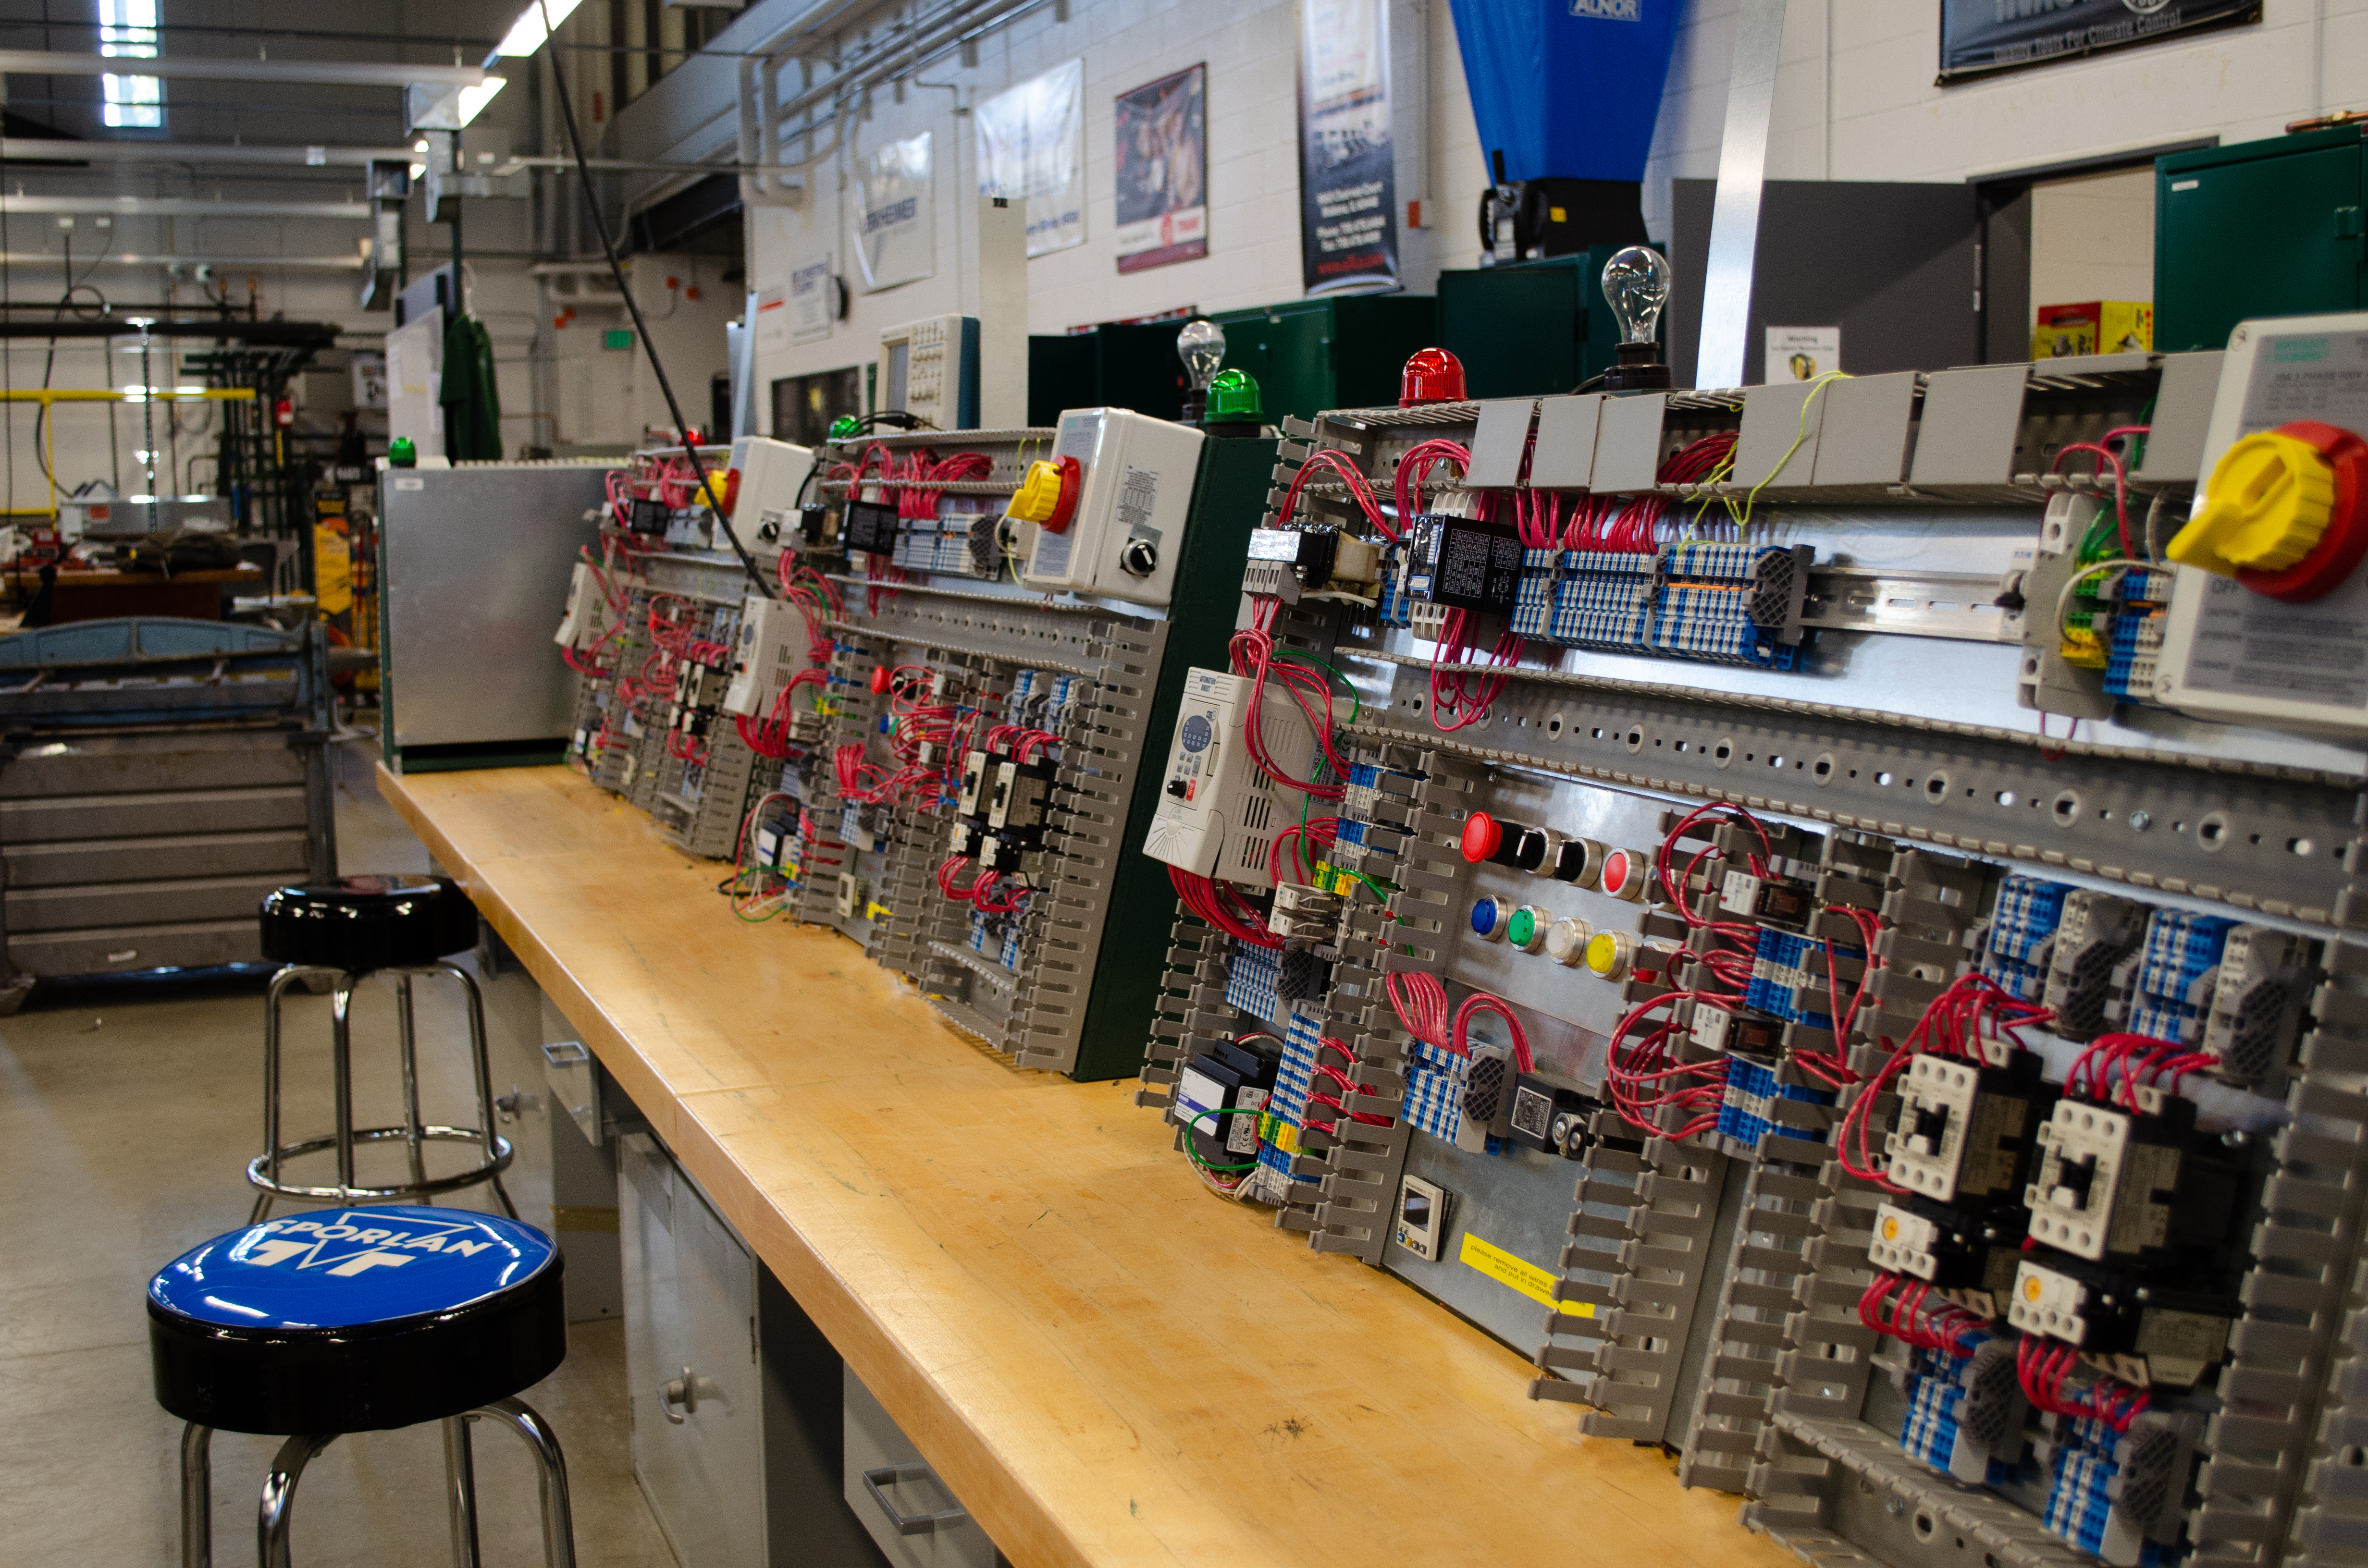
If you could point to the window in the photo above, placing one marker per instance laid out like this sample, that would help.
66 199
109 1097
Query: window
127 28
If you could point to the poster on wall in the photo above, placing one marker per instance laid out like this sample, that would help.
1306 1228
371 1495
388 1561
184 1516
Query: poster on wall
894 231
1979 37
1031 148
1163 171
1348 187
811 299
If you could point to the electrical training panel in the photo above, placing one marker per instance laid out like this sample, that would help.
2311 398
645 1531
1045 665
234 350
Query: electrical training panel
1824 914
899 737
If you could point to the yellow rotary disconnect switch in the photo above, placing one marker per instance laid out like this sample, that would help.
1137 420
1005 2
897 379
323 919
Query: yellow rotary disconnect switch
1046 493
2272 497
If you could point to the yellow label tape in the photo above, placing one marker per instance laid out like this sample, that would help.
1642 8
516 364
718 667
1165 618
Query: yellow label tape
1516 1274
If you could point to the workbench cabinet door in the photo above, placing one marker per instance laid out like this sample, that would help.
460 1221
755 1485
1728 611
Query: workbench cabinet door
691 1357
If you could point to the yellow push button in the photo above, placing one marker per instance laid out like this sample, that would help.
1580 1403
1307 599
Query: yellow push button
2272 497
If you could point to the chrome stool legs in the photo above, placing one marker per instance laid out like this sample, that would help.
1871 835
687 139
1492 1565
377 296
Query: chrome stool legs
275 1509
263 1172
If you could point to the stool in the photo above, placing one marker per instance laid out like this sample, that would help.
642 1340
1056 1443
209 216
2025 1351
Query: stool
360 1320
345 932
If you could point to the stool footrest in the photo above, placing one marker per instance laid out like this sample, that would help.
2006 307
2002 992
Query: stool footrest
258 1169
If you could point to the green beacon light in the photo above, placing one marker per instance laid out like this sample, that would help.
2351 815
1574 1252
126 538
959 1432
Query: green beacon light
401 453
845 427
1234 401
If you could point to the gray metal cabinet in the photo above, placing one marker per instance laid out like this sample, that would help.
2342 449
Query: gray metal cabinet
733 1389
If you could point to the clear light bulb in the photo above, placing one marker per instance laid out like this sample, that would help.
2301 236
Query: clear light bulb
1636 282
1201 346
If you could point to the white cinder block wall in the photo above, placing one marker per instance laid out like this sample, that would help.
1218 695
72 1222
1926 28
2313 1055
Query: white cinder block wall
1855 100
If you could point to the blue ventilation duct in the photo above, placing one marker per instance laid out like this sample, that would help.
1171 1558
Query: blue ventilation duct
1568 88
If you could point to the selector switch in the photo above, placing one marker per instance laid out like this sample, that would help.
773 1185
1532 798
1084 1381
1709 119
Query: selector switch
1502 843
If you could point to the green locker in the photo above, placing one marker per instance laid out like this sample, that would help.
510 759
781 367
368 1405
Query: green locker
2261 229
1311 355
1127 365
1529 328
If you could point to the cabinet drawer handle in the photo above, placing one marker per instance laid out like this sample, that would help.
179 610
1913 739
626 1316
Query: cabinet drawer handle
566 1053
909 1523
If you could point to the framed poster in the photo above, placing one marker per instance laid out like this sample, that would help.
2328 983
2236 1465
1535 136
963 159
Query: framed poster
1348 184
1980 36
1163 171
1031 148
894 215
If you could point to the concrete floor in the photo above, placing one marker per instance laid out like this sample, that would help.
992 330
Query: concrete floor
126 1114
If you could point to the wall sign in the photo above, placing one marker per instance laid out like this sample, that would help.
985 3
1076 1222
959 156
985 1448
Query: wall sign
1031 148
1980 36
1348 184
812 299
893 218
1163 171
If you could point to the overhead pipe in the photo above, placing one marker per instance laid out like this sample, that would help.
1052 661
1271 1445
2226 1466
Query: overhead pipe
200 68
181 207
21 149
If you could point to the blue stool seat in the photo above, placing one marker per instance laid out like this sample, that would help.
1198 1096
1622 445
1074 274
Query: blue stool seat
355 1320
362 923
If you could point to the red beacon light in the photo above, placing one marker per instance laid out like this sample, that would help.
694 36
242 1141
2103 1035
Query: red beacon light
1431 375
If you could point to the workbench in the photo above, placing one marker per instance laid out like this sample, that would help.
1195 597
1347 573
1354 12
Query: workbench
102 594
1107 1362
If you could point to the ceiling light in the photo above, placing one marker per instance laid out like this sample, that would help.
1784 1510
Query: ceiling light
474 99
528 33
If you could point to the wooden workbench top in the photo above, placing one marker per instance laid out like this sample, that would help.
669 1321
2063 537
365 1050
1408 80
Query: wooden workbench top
1106 1362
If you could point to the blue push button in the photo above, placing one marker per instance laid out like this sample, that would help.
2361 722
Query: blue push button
336 1269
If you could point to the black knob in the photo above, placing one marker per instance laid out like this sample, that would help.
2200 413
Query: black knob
1138 558
1177 787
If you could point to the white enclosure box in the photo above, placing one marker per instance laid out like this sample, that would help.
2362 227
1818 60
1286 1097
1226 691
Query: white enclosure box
2239 656
1218 813
1135 495
765 503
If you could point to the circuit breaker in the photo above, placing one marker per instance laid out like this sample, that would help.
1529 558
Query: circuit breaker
1110 505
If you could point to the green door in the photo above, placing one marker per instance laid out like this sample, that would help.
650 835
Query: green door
1517 329
1287 351
2267 228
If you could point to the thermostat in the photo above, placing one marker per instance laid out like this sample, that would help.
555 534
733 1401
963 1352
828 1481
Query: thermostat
1422 1217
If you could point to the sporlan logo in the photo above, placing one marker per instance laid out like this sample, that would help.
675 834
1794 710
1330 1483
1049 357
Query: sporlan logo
346 1248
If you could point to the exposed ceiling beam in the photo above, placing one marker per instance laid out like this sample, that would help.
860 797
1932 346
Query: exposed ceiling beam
24 149
181 207
198 68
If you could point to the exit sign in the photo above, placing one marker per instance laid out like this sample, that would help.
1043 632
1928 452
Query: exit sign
616 337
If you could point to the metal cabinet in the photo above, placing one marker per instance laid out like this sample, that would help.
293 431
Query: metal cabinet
733 1389
2268 228
916 1522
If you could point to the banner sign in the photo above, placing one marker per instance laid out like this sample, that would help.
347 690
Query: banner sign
894 215
1978 37
1569 89
1163 171
1348 184
1031 148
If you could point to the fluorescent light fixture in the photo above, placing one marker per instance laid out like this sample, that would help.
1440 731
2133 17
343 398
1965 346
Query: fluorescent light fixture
528 33
127 28
475 100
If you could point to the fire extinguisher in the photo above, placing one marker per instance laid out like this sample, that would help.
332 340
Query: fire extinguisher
284 411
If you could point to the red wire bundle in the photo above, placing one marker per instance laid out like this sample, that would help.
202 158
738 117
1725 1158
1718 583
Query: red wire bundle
1324 1070
1253 654
1944 1326
1451 692
1316 833
1480 1002
2102 449
2139 1056
1360 490
1221 904
1633 526
1643 1077
1415 467
1421 1003
2041 1366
